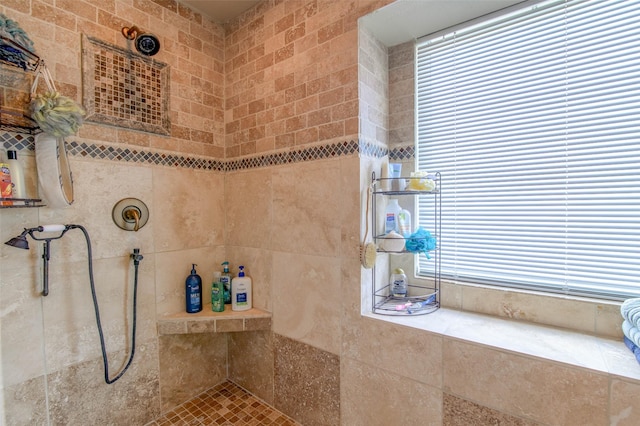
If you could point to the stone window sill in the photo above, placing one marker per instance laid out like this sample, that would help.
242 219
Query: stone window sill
207 321
599 354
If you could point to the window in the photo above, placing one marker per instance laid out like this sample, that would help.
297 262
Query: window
533 119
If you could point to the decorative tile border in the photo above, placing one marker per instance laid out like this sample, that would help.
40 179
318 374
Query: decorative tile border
21 142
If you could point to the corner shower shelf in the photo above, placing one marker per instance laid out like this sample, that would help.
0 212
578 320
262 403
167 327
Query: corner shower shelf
15 56
429 294
207 321
20 202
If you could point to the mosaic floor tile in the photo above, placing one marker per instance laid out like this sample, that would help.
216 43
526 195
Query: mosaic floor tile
226 404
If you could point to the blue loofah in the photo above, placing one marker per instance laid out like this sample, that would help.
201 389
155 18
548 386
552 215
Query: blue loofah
11 30
421 241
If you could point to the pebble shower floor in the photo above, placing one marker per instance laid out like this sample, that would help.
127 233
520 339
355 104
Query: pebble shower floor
226 404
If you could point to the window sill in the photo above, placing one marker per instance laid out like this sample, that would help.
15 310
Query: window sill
599 354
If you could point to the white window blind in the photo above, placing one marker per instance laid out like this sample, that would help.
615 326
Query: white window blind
533 119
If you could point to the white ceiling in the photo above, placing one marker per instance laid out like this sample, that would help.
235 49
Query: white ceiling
220 10
405 20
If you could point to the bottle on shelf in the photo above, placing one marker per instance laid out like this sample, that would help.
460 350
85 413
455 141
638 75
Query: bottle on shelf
398 283
17 175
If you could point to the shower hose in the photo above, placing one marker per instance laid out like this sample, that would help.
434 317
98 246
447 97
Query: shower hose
137 257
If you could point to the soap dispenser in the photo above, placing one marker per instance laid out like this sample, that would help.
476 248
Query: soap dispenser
193 287
241 292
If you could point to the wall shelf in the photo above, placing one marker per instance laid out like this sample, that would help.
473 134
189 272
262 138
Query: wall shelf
16 58
20 203
207 321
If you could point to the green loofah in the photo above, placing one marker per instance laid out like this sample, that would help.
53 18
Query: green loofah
56 115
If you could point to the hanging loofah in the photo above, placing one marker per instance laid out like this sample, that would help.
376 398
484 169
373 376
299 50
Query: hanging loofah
56 115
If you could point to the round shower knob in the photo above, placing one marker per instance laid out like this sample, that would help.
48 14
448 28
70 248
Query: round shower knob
130 214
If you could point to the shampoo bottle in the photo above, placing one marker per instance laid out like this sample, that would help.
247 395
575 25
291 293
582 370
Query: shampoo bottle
225 278
217 293
241 292
17 176
193 287
391 216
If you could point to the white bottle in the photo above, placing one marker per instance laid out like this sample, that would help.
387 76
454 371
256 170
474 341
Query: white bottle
404 223
391 216
398 283
241 292
17 176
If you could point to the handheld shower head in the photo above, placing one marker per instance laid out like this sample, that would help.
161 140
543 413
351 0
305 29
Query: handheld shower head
20 241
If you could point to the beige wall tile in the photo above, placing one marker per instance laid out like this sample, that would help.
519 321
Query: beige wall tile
71 333
188 212
307 300
624 403
459 412
172 269
568 313
402 351
373 396
258 265
248 208
251 362
306 382
539 390
94 198
189 365
305 208
79 392
25 403
21 332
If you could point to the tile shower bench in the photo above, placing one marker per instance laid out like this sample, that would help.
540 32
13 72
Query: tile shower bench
207 321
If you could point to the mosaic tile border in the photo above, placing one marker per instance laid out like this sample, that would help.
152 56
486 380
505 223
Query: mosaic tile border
99 151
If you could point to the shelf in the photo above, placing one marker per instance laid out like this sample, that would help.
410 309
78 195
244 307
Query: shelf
17 59
427 292
17 122
13 54
396 306
20 203
207 321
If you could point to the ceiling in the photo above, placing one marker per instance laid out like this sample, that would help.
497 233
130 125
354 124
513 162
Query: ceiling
220 10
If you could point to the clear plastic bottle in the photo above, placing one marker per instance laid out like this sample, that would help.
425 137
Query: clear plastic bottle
391 216
398 283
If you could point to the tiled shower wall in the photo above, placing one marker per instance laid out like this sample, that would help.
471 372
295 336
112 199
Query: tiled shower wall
50 354
295 223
